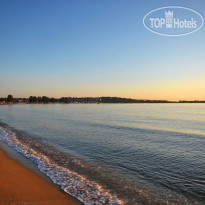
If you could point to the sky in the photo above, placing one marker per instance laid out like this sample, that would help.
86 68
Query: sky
95 48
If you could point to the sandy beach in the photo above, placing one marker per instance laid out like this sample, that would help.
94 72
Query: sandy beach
19 185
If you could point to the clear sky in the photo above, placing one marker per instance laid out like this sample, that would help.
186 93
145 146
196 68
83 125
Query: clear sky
97 48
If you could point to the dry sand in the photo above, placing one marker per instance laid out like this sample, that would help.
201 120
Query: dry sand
19 185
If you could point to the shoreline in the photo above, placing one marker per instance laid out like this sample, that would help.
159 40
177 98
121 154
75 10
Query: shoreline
22 183
101 103
31 154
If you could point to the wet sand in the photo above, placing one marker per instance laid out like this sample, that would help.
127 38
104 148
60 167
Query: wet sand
19 185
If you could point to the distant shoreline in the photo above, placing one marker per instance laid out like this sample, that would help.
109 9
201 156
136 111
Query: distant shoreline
85 100
100 103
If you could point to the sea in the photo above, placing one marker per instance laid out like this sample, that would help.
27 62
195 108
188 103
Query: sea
138 154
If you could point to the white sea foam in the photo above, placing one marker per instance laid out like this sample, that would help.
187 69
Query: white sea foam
86 191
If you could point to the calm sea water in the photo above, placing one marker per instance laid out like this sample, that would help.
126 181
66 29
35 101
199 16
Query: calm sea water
114 153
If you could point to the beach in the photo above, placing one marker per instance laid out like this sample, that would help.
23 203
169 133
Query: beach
19 185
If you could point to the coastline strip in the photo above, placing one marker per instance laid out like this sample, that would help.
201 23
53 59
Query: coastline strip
19 185
77 186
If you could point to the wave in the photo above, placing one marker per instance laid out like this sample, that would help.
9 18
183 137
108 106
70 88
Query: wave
88 181
85 190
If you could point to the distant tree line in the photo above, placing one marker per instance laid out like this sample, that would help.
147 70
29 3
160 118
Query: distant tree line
9 99
45 99
128 100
